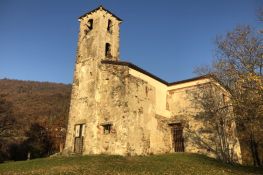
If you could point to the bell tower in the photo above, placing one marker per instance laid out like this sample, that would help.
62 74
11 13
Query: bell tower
98 40
99 35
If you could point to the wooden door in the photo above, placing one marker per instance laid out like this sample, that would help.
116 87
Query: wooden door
79 137
178 140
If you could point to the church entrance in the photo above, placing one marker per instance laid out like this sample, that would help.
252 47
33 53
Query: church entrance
177 137
79 138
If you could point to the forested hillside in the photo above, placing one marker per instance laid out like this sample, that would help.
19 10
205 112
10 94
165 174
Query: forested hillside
34 106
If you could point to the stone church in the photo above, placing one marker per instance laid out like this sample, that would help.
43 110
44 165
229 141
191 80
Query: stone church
119 108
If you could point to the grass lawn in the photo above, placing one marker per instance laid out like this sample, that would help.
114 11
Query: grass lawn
179 163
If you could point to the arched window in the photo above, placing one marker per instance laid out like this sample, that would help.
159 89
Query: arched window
90 24
108 50
109 28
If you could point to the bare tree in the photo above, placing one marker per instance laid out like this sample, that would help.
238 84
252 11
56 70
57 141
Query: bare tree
238 66
217 132
260 16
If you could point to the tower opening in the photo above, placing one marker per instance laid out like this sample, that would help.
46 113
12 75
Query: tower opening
108 50
109 28
90 24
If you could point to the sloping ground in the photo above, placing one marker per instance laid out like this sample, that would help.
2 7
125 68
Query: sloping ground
179 164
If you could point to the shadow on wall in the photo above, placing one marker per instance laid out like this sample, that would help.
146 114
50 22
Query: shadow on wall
212 128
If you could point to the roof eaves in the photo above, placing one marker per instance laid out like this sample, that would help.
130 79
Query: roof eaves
133 66
189 80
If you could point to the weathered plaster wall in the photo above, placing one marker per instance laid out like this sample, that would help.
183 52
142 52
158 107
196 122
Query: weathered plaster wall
160 88
146 134
147 102
181 104
181 107
129 104
111 106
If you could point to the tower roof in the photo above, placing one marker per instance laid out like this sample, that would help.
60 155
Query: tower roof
101 8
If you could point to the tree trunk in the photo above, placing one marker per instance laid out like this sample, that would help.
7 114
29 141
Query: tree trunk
254 151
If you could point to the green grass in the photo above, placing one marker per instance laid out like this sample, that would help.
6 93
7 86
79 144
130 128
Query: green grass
180 163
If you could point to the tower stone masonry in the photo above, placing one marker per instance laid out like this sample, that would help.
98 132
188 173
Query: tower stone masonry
121 109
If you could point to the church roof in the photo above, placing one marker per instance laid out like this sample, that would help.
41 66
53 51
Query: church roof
101 8
130 65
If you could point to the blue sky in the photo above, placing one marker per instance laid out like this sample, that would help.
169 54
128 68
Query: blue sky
169 38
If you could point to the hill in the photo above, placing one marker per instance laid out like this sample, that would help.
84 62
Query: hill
30 102
36 101
180 163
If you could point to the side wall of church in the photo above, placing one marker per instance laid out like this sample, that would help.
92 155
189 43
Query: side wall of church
198 137
145 136
129 104
149 132
181 106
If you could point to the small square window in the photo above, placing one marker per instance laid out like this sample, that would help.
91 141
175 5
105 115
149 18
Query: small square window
107 128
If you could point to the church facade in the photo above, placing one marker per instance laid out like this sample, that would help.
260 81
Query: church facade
118 108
